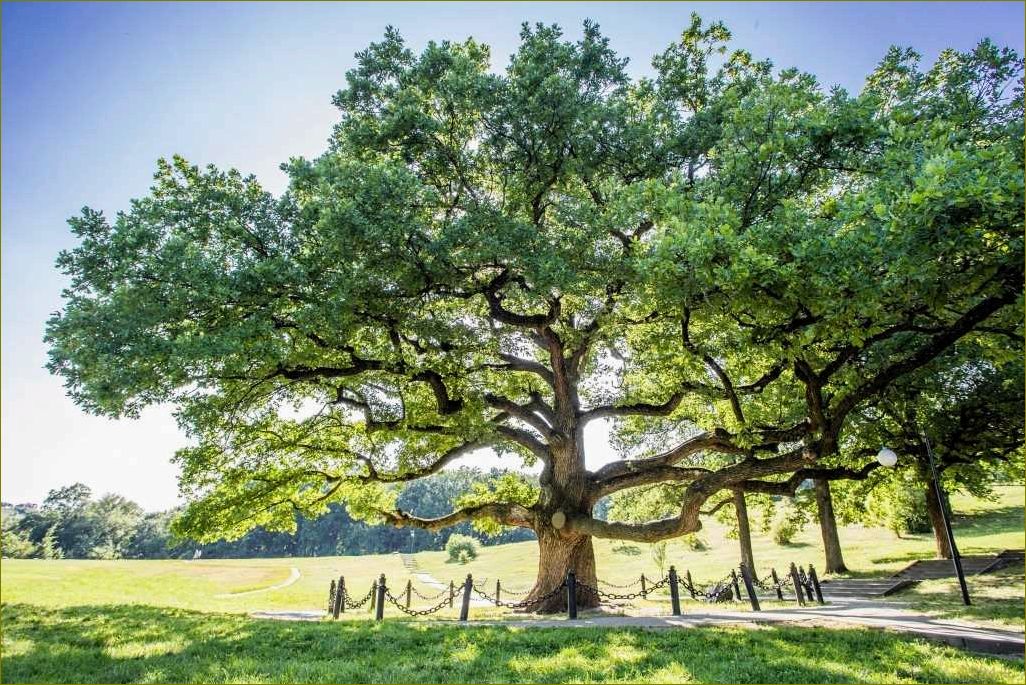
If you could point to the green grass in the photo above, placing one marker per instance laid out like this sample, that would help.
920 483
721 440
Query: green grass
110 644
996 599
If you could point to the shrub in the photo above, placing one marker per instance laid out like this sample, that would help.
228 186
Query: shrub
790 522
693 542
462 548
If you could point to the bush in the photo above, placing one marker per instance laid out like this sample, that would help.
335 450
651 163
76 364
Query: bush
790 522
462 548
693 542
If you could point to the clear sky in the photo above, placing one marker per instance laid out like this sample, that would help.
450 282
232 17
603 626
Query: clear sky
94 93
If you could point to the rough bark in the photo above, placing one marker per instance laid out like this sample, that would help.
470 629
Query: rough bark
558 553
933 508
744 531
828 528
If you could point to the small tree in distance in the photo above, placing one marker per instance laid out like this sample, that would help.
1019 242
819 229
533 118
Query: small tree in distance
721 261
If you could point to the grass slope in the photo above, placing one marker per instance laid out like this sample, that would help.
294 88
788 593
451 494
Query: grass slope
105 644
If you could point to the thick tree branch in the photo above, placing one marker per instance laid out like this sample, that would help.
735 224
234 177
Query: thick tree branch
510 514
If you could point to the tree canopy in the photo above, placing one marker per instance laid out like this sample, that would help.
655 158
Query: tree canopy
724 260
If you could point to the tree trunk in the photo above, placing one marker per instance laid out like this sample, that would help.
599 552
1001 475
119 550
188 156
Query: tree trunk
559 553
744 532
933 508
828 528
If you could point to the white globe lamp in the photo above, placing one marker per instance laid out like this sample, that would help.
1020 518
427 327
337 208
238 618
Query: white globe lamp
887 457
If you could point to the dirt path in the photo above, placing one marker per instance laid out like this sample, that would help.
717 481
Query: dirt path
294 575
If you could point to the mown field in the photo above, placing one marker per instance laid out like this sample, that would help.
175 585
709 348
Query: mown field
173 621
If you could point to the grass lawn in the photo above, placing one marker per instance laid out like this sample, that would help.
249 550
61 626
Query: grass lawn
110 644
997 599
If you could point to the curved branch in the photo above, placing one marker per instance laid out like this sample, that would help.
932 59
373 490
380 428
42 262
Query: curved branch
717 440
507 513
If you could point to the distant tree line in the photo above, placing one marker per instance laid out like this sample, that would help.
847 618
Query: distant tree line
71 523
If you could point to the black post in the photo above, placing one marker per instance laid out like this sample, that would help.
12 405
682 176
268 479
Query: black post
737 589
747 578
796 581
956 558
498 589
674 592
644 592
571 595
806 582
776 584
337 609
380 613
691 584
342 593
409 591
374 596
815 584
331 597
452 593
465 607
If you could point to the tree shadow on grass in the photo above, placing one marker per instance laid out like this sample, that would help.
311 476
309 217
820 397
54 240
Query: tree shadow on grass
140 643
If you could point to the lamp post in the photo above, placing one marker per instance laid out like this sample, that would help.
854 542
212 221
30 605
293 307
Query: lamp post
887 457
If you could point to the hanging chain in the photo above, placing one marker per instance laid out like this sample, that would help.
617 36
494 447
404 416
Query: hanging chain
620 587
357 605
523 604
445 591
633 595
415 612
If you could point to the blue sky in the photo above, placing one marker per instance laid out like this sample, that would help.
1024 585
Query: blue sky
93 93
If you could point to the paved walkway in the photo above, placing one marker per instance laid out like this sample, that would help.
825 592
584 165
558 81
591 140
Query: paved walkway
839 613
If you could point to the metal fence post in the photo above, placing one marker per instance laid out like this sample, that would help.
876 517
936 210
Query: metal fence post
746 576
380 612
796 581
674 592
452 593
465 607
571 595
644 591
409 591
342 594
691 584
737 589
776 584
498 590
815 584
331 597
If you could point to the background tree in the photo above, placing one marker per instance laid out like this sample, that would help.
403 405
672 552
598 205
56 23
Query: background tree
969 404
493 261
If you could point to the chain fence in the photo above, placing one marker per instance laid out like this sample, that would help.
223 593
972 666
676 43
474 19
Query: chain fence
602 594
350 604
721 590
524 604
415 612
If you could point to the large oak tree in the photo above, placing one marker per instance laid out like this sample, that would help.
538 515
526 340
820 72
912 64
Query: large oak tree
721 260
